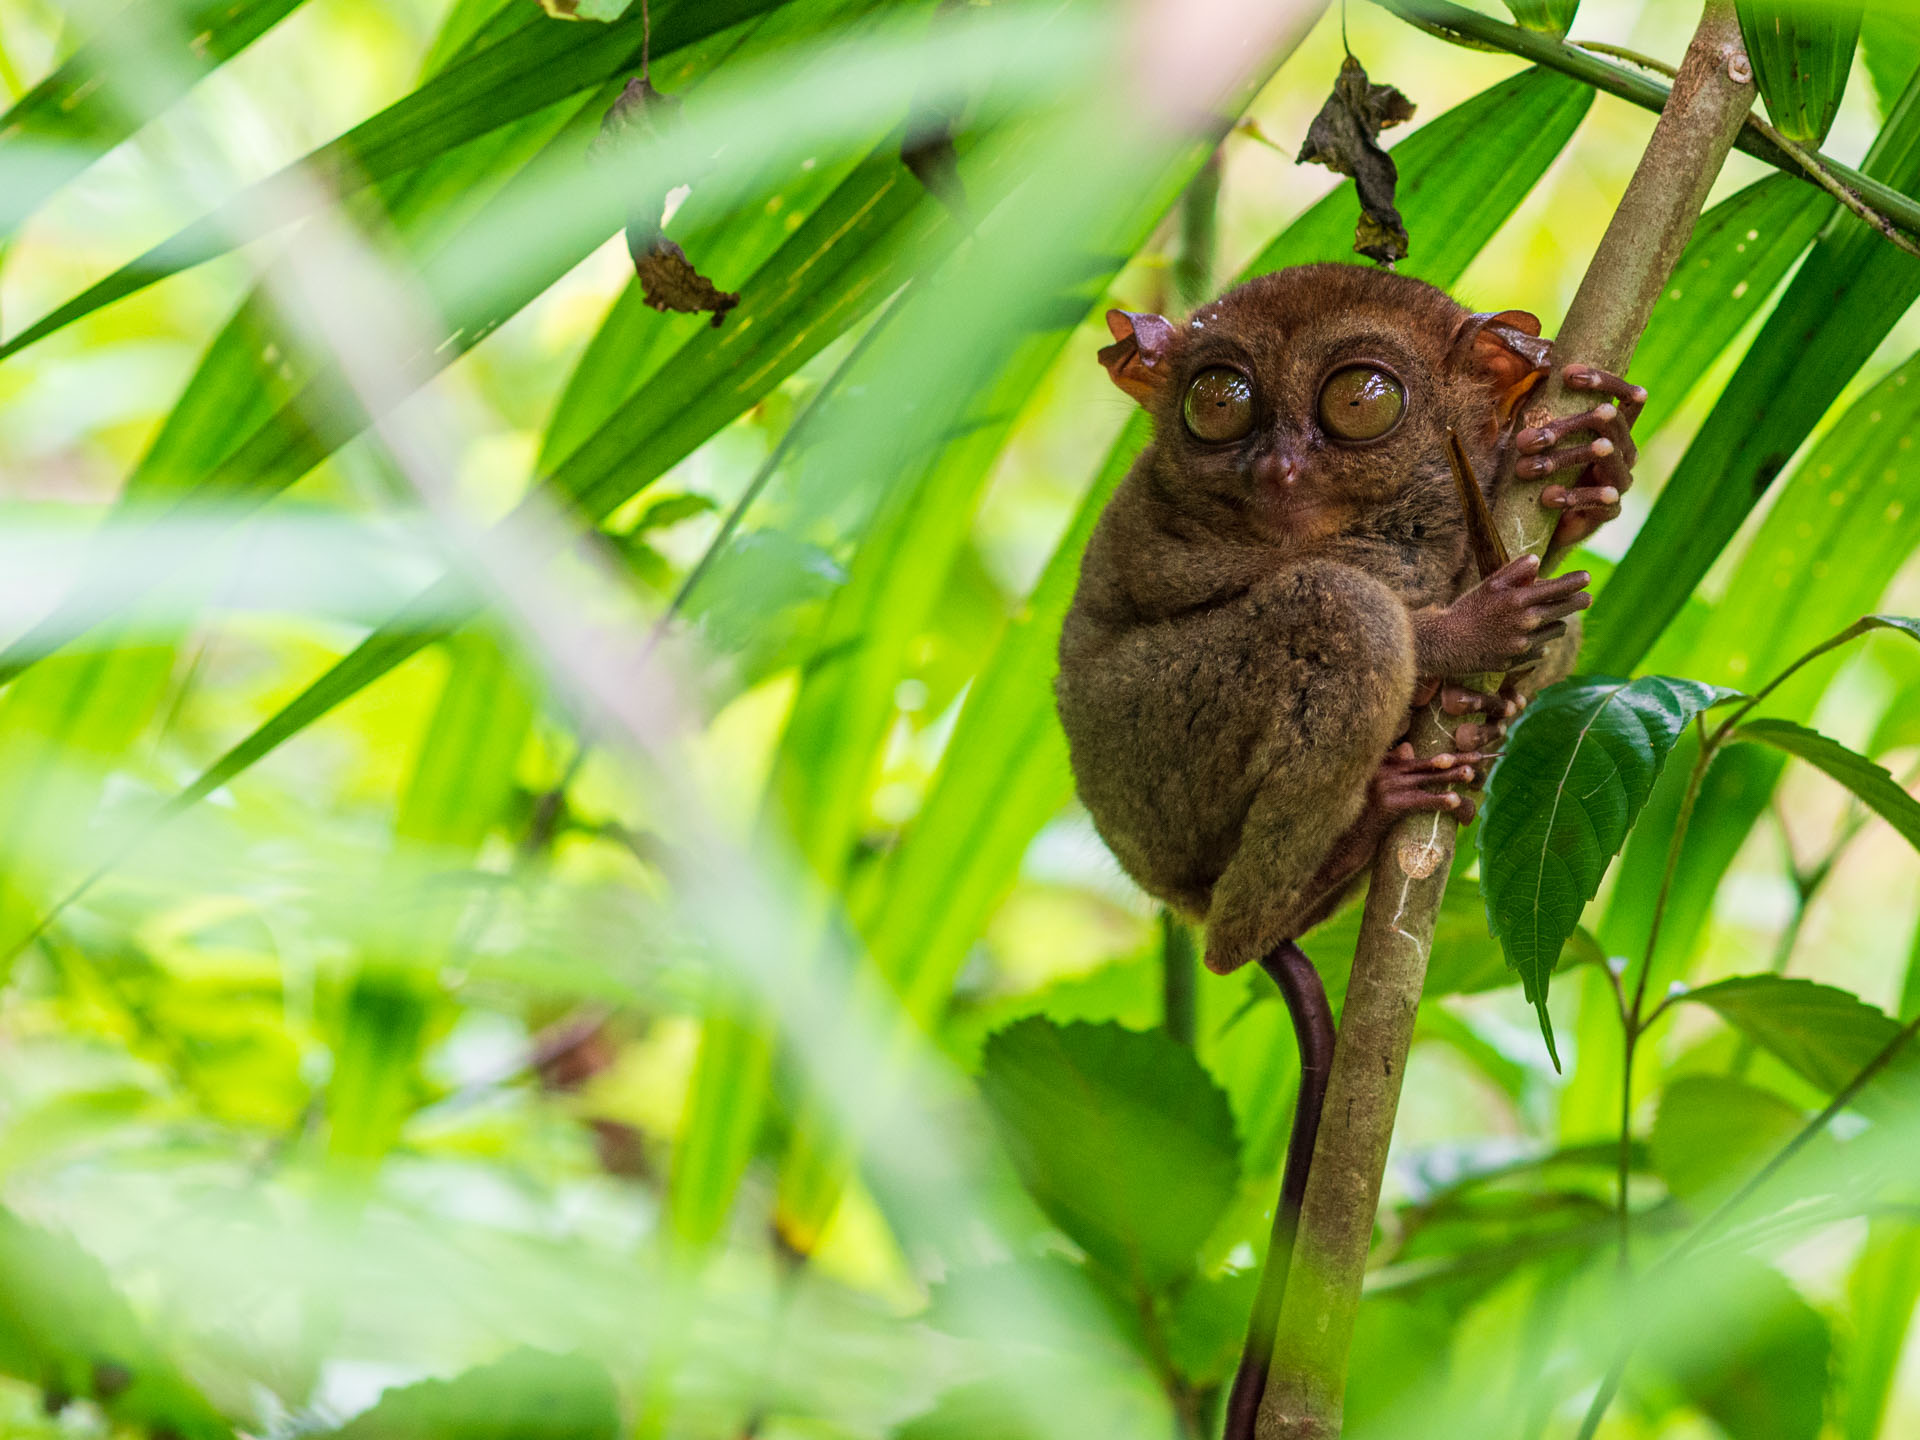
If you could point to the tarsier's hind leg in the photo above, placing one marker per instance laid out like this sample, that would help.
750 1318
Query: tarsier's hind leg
1313 1030
1268 892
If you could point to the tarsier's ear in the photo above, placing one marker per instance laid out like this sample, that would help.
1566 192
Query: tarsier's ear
1138 360
1507 351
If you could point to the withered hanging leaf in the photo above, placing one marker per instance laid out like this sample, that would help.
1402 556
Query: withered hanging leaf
1344 137
668 280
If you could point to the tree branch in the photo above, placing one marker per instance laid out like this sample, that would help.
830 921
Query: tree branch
1581 59
1704 113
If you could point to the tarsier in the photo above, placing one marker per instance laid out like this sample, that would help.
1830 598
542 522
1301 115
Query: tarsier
1280 581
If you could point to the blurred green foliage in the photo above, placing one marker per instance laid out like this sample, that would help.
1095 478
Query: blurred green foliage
419 1018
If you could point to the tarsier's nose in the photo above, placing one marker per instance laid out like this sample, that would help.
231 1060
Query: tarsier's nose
1277 469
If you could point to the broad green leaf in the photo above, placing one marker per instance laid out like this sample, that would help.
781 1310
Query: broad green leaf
1802 54
538 64
1739 252
1825 1035
1120 1137
1207 1326
1890 49
1124 1403
1870 783
1714 1132
152 52
1759 1371
526 1395
66 1328
1843 526
1885 1290
1848 294
1578 766
1552 16
1733 795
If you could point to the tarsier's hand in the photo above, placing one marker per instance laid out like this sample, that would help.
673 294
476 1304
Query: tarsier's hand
1504 622
1605 461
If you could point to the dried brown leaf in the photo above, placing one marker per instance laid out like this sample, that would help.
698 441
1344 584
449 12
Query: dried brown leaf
668 279
1345 137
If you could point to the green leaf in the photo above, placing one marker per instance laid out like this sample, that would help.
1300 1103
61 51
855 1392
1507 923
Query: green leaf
539 64
1714 1132
1871 783
526 1395
1825 1035
1802 54
1578 765
1759 1369
66 1328
1207 1326
1554 17
1739 252
1120 1137
1885 1291
1842 527
1733 795
154 52
1838 307
724 1106
1890 49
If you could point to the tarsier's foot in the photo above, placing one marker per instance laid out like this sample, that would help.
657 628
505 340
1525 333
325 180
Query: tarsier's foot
1496 711
1506 621
1407 785
1605 461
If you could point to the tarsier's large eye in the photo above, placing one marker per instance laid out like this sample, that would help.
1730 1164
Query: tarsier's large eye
1219 404
1361 403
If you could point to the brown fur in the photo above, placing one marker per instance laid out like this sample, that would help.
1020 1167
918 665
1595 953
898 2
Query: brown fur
1240 653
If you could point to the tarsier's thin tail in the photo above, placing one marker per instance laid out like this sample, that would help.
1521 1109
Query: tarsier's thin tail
1306 1001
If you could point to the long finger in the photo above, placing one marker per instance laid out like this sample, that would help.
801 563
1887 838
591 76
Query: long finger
1597 499
1597 421
1558 588
1459 700
1539 615
1597 381
1567 458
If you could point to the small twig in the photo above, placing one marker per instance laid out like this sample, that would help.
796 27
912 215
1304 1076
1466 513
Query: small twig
1879 205
1816 168
646 44
1632 57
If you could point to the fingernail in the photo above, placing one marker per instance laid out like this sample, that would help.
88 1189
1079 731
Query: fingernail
1639 394
1603 446
1609 494
1606 411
